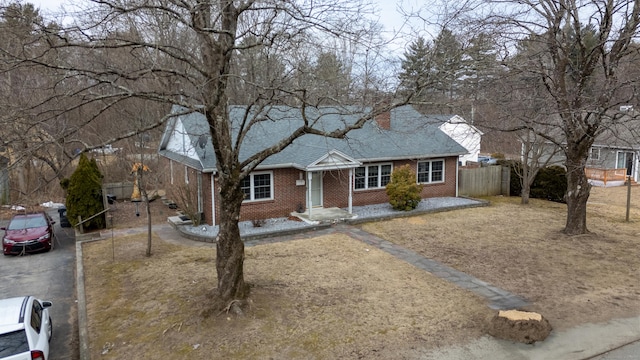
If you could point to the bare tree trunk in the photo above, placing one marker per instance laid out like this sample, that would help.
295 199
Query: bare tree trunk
578 189
229 246
524 196
525 181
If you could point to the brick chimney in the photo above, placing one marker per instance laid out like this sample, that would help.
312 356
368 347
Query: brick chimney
384 120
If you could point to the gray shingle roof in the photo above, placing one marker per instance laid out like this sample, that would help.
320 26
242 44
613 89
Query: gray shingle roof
412 136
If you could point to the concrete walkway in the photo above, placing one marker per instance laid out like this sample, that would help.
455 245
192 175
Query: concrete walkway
498 299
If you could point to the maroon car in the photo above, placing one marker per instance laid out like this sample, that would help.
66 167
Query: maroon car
28 233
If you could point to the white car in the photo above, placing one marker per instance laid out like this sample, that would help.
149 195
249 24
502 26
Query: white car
25 328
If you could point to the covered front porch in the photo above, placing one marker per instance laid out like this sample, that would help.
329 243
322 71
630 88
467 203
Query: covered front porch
315 210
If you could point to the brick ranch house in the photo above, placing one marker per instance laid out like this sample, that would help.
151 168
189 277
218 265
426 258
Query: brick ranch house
314 171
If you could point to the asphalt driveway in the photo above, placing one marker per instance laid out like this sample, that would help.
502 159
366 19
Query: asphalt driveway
48 276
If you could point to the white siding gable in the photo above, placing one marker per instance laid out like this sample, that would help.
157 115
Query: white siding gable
464 134
180 142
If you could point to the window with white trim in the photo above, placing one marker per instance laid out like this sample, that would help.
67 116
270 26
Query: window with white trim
430 171
258 186
594 154
372 176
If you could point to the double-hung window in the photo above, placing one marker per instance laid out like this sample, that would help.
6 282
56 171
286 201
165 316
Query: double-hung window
372 176
430 171
258 186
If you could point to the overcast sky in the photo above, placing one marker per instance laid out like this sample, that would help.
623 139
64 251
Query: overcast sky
390 17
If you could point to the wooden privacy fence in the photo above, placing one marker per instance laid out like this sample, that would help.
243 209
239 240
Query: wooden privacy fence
121 190
484 181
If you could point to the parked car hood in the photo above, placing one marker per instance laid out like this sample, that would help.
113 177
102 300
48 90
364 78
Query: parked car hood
25 234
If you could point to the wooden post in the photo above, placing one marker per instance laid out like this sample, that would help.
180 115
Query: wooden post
80 223
628 197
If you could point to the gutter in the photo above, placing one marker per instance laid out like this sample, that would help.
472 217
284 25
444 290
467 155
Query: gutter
411 157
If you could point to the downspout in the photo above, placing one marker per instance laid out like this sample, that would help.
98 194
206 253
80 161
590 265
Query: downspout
213 201
457 176
200 196
350 191
171 170
635 168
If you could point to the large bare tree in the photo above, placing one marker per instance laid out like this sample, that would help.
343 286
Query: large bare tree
194 53
580 47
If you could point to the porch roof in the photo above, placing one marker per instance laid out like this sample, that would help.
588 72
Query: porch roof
333 160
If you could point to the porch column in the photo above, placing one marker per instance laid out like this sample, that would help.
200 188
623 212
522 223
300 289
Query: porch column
350 191
309 204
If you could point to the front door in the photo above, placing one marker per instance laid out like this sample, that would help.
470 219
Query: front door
316 189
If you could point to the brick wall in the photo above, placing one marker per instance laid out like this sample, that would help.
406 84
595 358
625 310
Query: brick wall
206 198
447 188
288 196
336 192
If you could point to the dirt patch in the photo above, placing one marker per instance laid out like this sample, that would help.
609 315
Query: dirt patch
570 280
326 297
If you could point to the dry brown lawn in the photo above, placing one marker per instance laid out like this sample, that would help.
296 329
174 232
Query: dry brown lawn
571 280
335 297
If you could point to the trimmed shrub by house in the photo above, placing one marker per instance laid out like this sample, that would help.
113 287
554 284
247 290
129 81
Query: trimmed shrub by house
403 191
84 194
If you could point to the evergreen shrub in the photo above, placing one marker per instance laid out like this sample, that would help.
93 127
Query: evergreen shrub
403 191
550 183
84 194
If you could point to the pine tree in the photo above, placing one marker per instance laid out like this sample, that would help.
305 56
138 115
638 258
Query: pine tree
331 77
479 65
416 68
447 63
84 194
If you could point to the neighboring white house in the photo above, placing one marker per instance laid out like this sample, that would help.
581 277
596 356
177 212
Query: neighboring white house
464 134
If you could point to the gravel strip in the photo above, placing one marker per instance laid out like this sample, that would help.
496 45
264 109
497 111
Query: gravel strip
372 212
